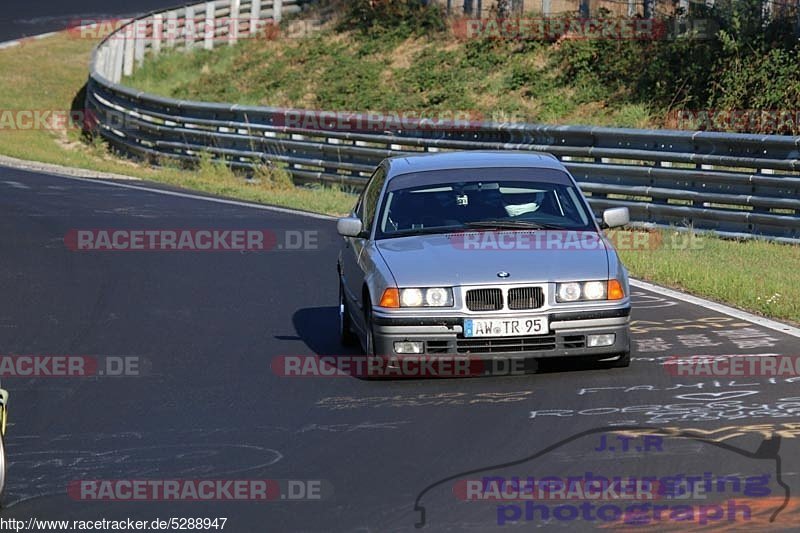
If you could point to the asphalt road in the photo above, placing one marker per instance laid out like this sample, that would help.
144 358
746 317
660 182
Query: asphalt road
33 17
205 327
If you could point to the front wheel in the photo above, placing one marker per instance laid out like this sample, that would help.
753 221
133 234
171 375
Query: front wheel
623 362
369 335
377 363
346 335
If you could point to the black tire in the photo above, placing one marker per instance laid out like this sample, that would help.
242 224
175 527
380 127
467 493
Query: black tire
622 362
346 335
369 335
369 344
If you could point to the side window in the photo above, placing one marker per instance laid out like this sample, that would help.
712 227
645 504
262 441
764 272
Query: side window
370 197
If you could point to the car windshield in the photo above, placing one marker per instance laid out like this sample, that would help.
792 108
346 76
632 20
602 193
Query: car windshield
527 204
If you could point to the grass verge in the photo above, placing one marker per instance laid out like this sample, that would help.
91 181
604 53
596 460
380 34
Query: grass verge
753 275
434 75
48 74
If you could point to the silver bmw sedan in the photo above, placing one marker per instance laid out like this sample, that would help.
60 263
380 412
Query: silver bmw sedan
481 254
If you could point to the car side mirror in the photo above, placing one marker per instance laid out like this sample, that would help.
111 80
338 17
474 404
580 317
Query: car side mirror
350 227
616 217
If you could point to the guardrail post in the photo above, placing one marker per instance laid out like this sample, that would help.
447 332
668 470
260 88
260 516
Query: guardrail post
189 29
277 10
139 40
172 28
649 8
209 26
158 33
119 52
129 43
233 27
101 61
255 16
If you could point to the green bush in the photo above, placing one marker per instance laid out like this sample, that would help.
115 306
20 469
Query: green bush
662 74
405 16
745 62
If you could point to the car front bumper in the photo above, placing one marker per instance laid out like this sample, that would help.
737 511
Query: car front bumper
567 337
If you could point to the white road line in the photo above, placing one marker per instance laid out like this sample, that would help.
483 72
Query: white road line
190 196
58 170
16 184
720 308
17 42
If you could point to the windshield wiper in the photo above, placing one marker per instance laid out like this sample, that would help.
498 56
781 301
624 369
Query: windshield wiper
421 231
503 223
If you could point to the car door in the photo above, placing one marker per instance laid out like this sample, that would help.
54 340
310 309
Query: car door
353 262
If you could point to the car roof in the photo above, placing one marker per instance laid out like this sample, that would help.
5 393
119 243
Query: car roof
472 159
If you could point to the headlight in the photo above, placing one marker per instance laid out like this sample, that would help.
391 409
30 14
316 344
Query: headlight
436 297
569 292
410 297
590 291
594 290
430 297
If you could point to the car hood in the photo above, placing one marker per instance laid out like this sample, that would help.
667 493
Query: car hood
475 258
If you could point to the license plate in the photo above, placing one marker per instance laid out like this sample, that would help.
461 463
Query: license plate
506 327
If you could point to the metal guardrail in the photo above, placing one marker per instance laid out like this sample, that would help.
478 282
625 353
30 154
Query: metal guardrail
737 185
